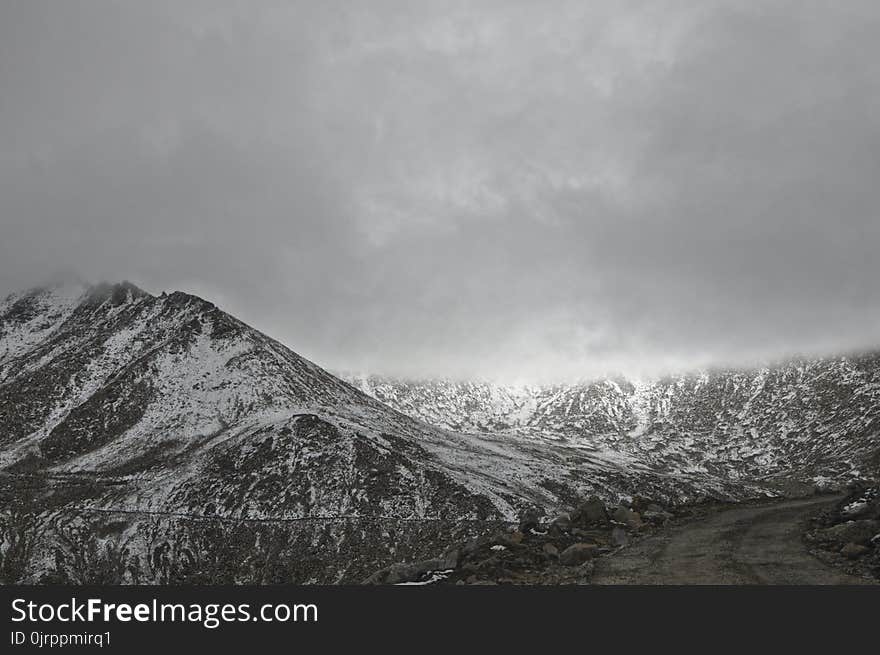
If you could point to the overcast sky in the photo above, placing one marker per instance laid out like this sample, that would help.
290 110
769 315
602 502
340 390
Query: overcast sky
520 190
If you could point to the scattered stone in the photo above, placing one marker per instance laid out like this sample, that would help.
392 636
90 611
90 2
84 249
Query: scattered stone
585 572
627 517
619 537
551 550
794 489
471 547
865 508
398 573
488 564
591 512
414 571
529 519
560 525
595 536
577 554
857 532
854 551
857 510
640 504
451 558
657 517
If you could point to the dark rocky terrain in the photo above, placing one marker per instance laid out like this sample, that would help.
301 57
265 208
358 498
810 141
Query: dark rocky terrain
847 534
640 542
538 550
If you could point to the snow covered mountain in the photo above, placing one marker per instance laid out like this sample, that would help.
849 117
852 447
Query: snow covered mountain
137 409
192 408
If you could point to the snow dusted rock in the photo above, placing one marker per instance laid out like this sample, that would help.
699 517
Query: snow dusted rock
559 526
529 519
865 506
403 573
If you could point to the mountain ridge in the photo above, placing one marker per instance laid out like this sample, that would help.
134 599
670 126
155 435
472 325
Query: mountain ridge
719 408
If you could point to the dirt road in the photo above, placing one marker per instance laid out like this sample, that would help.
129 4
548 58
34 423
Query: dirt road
745 545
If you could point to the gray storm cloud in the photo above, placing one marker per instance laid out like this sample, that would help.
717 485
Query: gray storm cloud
505 189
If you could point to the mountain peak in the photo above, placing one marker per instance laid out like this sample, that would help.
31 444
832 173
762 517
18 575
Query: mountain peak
116 293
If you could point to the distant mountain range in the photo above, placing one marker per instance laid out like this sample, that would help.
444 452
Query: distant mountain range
810 419
118 403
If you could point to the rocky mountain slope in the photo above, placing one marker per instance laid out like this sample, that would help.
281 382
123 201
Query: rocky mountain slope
192 407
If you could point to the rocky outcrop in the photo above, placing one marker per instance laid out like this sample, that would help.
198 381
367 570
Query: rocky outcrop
560 550
848 535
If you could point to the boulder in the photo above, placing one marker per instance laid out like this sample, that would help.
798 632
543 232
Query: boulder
657 517
853 511
619 537
529 519
857 532
450 559
627 517
551 550
640 504
471 547
411 572
577 554
794 489
865 508
592 536
585 572
505 541
854 551
560 525
590 512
